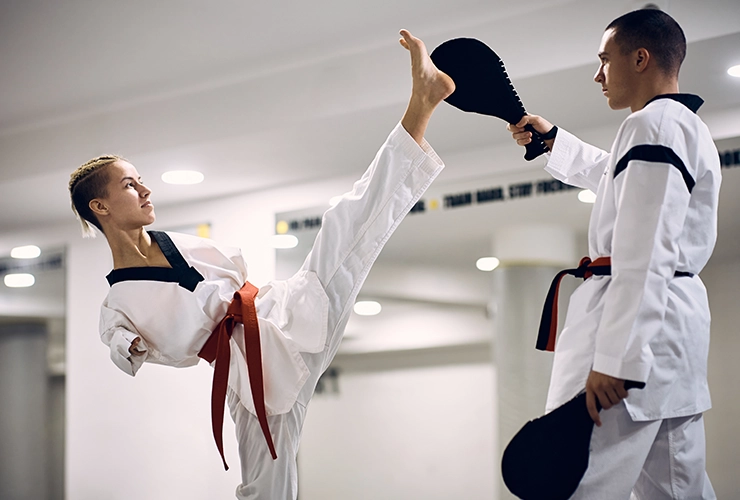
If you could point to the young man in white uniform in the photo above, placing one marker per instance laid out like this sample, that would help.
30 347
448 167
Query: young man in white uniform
170 291
655 216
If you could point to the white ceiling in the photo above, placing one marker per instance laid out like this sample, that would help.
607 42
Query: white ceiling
258 94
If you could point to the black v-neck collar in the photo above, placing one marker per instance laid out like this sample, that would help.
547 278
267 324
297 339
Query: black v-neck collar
180 272
691 101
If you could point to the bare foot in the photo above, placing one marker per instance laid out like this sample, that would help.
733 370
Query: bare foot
430 87
429 84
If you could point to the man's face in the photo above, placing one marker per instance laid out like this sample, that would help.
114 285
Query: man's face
616 74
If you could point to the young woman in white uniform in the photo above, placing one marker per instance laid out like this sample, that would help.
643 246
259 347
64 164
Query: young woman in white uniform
172 298
655 216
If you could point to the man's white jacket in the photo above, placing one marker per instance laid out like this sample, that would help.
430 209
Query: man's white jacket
655 214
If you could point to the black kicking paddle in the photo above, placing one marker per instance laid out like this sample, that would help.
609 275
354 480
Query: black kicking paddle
482 85
548 457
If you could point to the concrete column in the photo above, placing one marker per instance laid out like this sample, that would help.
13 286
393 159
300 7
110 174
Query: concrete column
530 257
23 397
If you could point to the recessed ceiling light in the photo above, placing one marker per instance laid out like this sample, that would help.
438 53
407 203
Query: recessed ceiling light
183 177
19 280
367 307
25 252
487 263
734 71
284 241
587 196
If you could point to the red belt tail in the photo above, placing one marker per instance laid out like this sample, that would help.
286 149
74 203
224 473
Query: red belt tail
217 348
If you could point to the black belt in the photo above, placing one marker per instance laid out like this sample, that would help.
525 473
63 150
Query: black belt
586 268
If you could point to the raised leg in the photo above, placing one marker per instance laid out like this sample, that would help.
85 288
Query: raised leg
354 231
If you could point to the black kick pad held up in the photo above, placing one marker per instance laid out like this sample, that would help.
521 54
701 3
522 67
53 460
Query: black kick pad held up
548 457
482 85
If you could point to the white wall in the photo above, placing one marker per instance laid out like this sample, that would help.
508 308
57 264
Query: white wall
722 278
150 438
403 426
147 437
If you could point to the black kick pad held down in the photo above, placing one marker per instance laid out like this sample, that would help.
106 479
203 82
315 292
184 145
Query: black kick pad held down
482 85
548 457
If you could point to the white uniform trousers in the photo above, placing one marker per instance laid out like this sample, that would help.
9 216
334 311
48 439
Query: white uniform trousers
650 460
352 235
262 477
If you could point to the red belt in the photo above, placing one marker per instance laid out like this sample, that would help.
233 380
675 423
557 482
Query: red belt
549 322
241 310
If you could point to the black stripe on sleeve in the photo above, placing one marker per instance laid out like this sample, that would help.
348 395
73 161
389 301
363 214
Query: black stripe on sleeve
655 154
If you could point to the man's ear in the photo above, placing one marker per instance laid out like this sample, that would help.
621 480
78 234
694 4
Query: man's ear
641 59
98 207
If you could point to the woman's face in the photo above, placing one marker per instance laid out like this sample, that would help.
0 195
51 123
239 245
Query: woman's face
127 205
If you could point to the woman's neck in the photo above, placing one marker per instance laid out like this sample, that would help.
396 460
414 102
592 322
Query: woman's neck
132 248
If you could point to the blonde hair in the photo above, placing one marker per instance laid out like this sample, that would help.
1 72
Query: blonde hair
85 184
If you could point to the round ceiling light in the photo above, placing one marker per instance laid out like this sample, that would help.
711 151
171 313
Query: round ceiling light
284 241
367 307
25 252
19 280
183 177
487 263
734 71
587 196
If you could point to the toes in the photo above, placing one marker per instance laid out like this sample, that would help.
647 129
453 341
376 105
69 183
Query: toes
411 40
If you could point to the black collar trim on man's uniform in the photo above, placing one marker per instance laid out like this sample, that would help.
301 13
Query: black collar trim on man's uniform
691 101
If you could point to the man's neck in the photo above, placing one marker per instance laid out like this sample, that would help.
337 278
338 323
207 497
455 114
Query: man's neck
652 89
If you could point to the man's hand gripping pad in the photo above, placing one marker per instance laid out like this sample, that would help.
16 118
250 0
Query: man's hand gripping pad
482 85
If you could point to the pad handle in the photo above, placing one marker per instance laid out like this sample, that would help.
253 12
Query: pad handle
535 148
631 384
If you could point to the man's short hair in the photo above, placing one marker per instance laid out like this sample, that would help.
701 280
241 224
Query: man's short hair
654 30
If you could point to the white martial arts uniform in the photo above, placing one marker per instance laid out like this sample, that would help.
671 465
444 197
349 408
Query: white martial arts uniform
301 320
655 214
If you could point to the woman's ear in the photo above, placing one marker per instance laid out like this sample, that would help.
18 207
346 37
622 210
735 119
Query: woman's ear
98 207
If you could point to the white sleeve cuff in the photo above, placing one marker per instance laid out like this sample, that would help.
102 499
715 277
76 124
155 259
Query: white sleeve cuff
616 367
424 152
119 351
